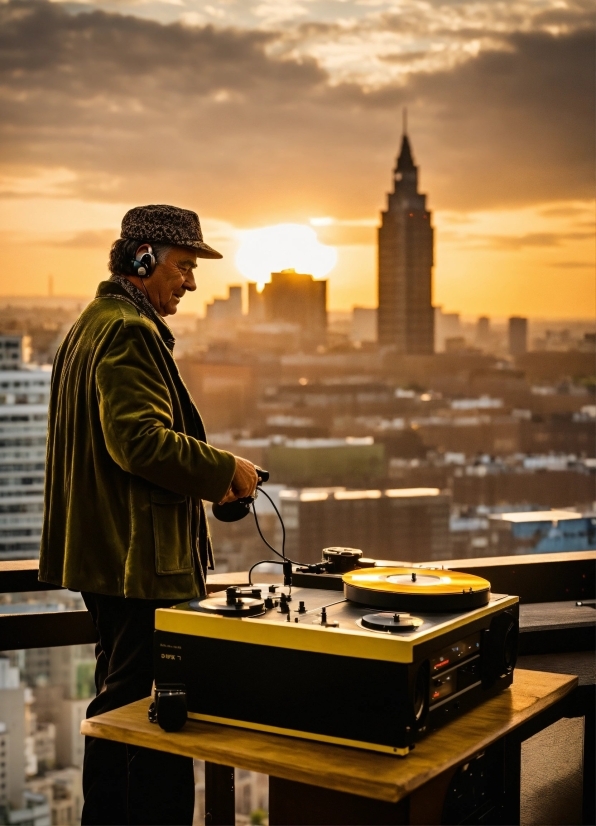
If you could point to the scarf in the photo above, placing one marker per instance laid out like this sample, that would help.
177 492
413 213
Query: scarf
146 308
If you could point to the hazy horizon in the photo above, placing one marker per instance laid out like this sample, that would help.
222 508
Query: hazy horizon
257 114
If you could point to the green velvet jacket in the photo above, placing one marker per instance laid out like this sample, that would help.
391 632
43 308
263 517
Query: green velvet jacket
127 462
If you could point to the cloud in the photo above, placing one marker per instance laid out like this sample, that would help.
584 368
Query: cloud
403 57
572 265
565 211
530 239
90 239
225 119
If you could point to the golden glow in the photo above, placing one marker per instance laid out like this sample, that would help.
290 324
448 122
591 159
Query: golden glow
537 261
283 246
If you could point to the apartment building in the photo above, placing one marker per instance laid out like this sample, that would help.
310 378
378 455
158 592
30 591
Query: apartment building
24 397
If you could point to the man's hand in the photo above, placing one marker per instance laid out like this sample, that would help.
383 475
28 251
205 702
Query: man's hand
244 481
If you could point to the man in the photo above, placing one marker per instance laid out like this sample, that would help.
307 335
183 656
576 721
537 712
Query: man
128 466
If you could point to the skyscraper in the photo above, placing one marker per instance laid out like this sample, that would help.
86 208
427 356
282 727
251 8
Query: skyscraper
24 394
405 263
483 331
518 335
298 298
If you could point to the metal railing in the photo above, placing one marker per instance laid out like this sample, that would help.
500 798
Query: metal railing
535 578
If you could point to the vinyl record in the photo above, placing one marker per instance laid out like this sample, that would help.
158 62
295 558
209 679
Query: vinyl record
390 621
242 607
416 589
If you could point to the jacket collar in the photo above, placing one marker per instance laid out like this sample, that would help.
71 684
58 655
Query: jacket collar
123 289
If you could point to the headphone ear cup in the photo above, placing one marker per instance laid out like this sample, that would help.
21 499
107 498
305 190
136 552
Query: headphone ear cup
144 265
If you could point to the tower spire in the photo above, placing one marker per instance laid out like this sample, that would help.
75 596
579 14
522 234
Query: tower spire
405 161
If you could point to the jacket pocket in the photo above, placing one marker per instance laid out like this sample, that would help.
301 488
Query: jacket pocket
171 532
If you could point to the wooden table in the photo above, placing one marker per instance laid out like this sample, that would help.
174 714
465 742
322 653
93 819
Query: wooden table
316 783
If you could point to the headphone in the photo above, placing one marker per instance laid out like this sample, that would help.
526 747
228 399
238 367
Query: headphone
144 266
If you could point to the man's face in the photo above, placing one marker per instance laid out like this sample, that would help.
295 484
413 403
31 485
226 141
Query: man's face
171 279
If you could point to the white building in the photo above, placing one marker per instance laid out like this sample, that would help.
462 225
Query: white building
14 351
17 805
12 735
24 397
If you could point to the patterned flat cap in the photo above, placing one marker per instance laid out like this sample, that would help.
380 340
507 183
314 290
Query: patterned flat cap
167 225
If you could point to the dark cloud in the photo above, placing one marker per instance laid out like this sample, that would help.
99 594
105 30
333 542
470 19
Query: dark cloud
215 118
403 57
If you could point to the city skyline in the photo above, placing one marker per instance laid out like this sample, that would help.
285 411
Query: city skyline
290 113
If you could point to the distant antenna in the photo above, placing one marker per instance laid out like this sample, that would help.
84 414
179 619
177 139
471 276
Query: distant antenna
405 120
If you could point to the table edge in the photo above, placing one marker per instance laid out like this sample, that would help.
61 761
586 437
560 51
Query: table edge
378 790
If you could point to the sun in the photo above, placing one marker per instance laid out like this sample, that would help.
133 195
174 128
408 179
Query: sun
280 247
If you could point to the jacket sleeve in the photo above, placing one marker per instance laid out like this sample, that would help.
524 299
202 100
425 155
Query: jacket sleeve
137 422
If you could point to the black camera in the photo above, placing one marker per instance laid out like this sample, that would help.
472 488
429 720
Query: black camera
168 709
233 511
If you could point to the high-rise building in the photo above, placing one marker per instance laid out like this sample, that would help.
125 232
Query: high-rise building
12 734
483 331
364 324
404 524
256 305
24 396
14 351
297 298
224 309
447 327
405 263
18 805
518 335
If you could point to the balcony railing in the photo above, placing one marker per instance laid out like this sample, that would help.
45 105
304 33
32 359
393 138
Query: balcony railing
546 579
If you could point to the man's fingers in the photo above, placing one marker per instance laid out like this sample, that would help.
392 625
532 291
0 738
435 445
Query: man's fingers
245 478
229 497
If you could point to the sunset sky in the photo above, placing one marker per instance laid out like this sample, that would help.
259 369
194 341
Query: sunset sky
263 113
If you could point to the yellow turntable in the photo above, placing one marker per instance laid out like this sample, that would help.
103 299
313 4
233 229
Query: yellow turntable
421 589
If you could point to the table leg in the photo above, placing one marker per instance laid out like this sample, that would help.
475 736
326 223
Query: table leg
511 809
220 801
589 802
291 803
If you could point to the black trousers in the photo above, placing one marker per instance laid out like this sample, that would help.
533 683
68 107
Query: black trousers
126 784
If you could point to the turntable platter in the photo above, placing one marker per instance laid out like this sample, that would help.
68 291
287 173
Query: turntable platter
423 589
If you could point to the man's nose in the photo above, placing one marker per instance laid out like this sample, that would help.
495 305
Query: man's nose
190 283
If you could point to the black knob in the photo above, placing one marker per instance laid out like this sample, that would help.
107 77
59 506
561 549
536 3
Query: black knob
272 589
301 607
268 603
